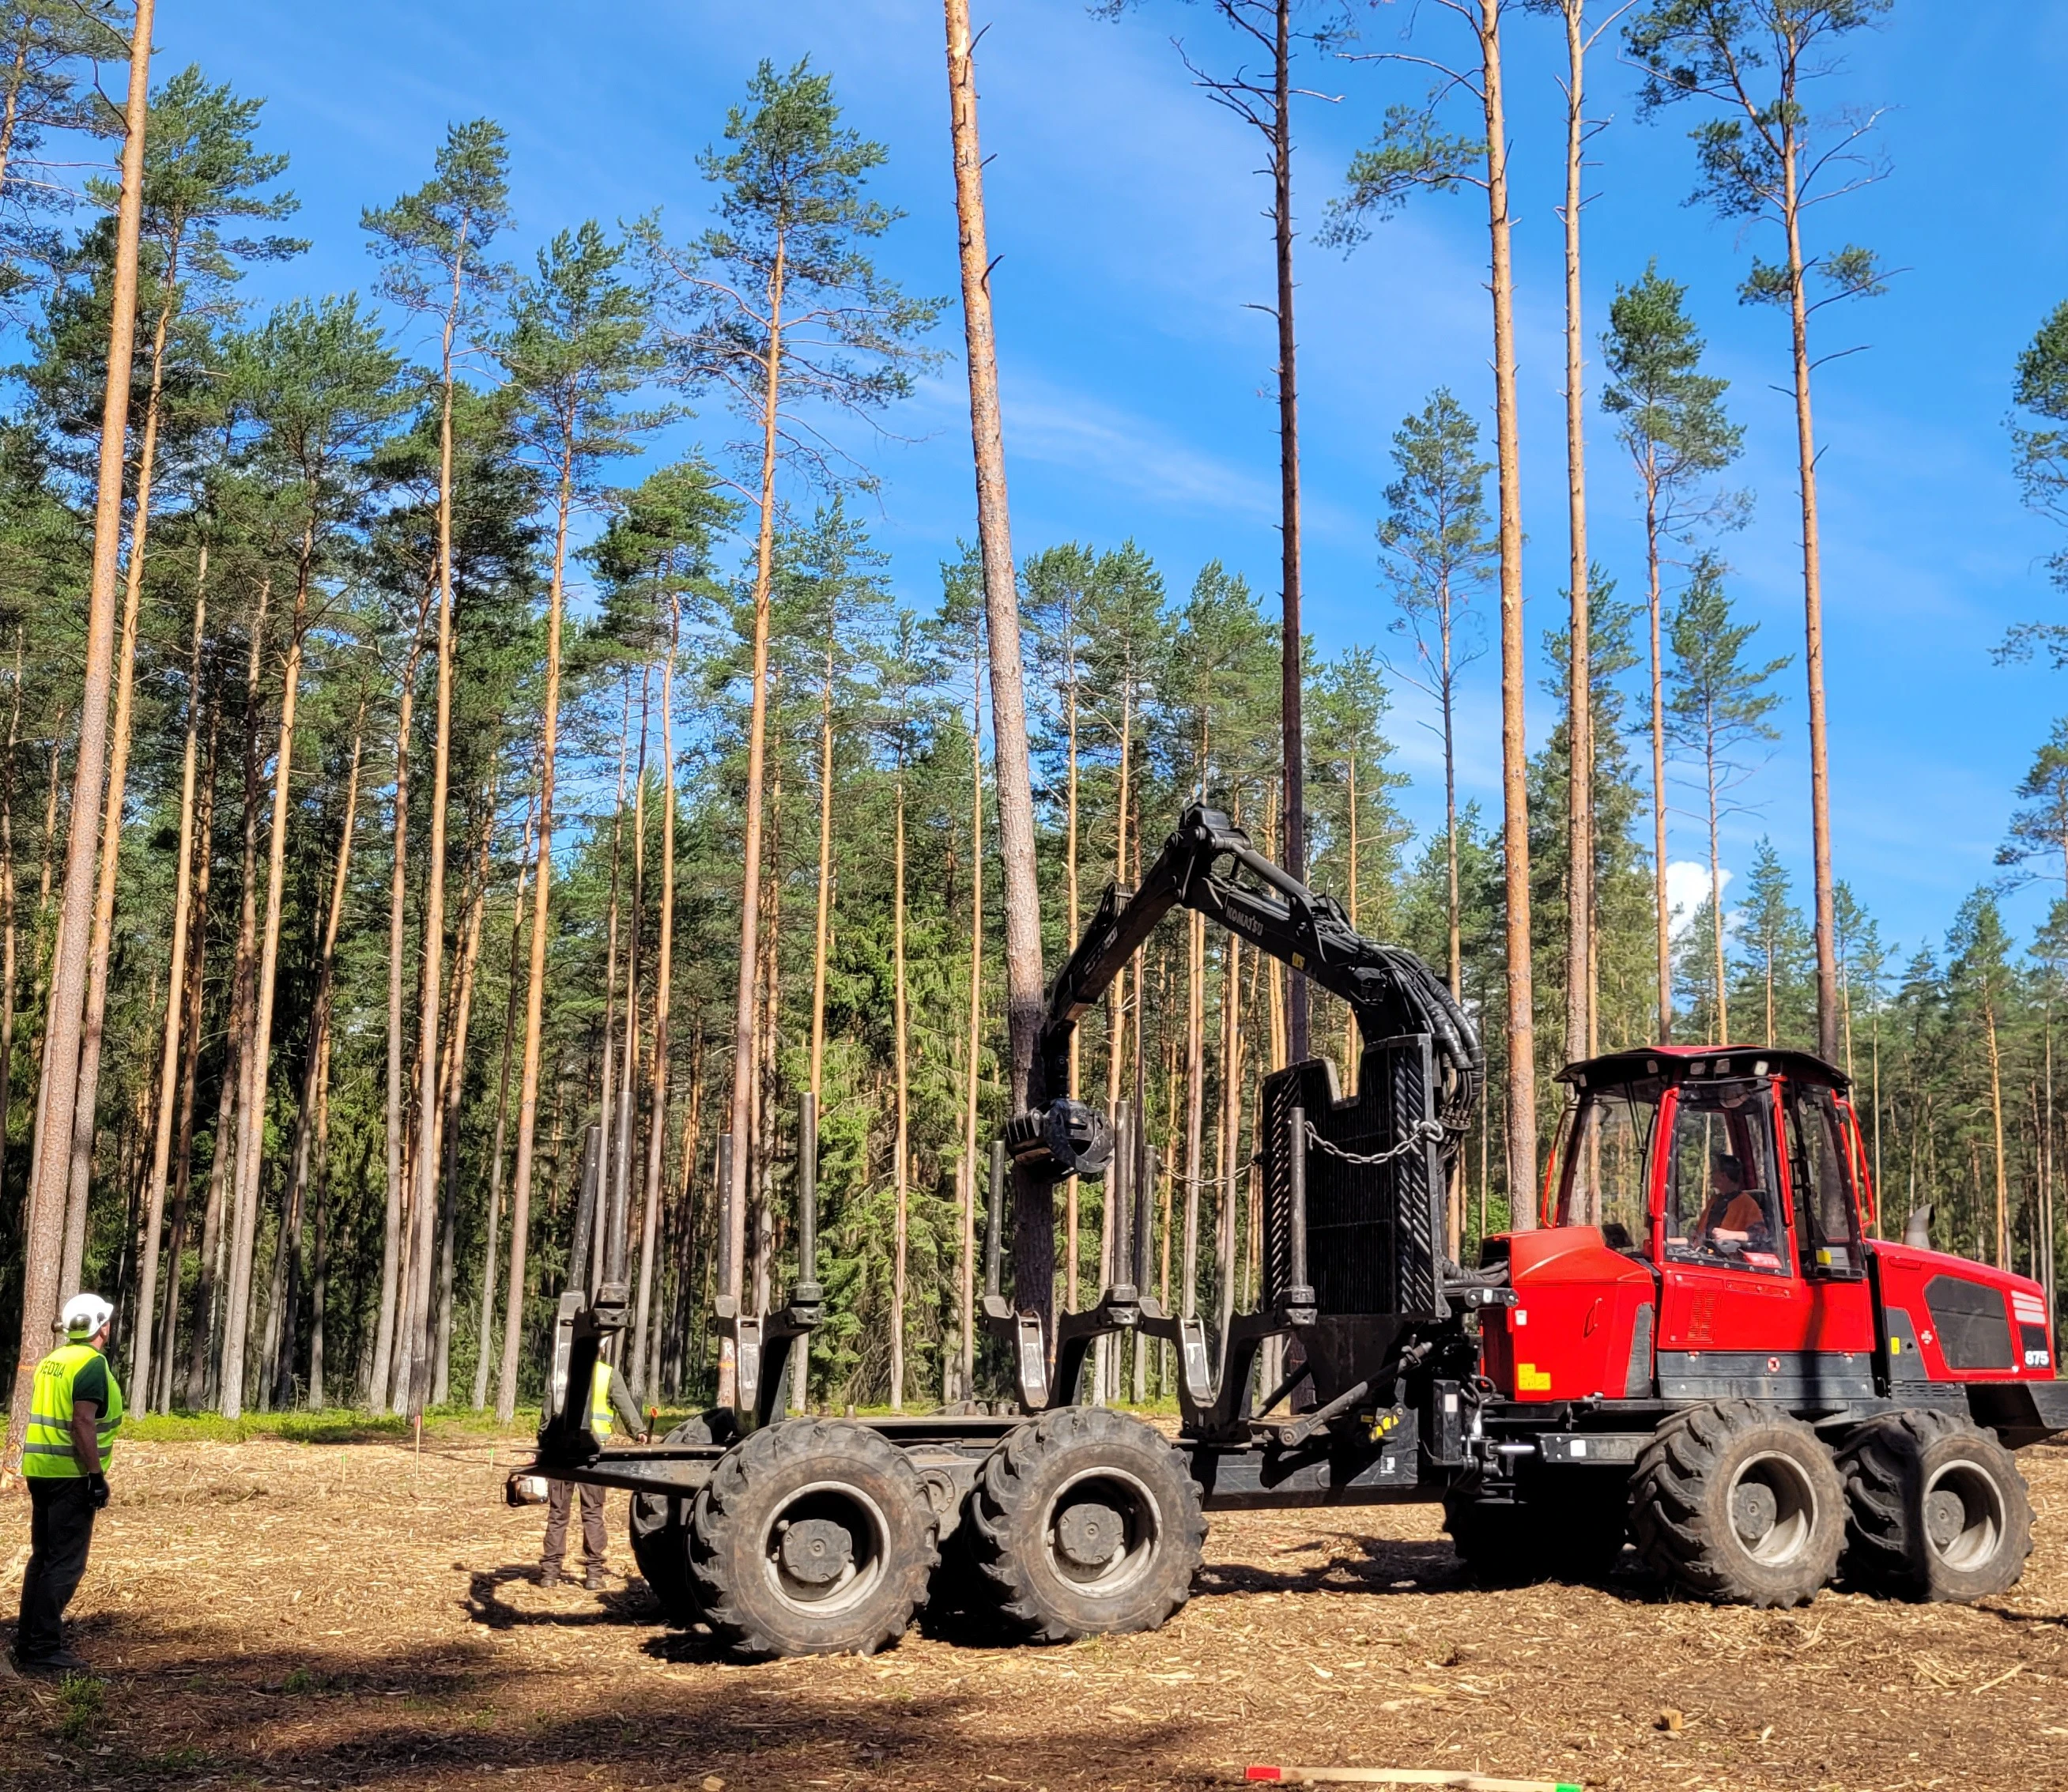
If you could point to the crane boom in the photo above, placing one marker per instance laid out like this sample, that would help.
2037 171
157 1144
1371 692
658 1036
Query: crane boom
1210 864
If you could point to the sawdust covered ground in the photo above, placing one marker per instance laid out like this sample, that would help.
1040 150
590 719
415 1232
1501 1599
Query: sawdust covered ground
276 1614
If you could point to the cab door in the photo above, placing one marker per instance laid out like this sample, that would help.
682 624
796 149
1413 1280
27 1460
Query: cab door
1826 1209
1736 1318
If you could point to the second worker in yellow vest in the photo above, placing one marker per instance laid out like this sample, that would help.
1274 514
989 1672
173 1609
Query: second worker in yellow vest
607 1391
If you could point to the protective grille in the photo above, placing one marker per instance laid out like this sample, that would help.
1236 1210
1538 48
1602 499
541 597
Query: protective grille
1374 1231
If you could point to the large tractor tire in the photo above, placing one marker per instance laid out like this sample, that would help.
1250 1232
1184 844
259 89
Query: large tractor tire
1936 1509
812 1537
1739 1504
1084 1523
1570 1525
661 1526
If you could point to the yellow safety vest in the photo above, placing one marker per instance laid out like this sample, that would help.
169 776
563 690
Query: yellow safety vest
599 1400
47 1449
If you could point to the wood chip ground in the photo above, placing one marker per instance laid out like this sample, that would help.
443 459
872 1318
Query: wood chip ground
269 1614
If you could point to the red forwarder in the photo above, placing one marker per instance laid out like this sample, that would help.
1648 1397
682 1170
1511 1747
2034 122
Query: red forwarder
1703 1350
1704 1307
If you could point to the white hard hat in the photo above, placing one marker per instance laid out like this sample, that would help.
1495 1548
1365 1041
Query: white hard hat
84 1315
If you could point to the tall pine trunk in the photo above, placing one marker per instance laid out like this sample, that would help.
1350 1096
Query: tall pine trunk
190 1071
429 1118
591 1265
492 1236
611 1215
398 892
251 1132
1579 710
319 1278
312 1081
452 1093
664 967
1722 1010
9 972
901 1169
176 991
1291 675
1034 1242
43 1231
744 1042
1813 597
535 994
960 1384
80 1190
1662 909
1194 1105
204 1365
1514 671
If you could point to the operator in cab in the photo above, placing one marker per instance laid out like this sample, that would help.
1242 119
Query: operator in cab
75 1409
1734 1216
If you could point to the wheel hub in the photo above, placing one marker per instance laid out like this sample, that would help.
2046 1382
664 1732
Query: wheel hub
1753 1509
1090 1534
1945 1516
1964 1524
1774 1507
816 1551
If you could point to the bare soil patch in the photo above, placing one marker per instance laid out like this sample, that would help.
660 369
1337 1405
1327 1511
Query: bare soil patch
343 1615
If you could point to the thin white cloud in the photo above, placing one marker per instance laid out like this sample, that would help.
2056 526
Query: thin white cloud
1110 446
1687 888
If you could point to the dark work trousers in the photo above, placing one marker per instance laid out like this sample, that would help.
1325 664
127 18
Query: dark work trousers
60 1532
556 1524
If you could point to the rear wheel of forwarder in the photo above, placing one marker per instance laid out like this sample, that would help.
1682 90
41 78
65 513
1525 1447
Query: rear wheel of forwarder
1936 1509
1082 1523
1740 1504
661 1526
813 1536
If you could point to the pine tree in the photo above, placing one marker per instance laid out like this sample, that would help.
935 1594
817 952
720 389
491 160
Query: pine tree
577 343
1775 954
780 306
1415 152
1672 425
1980 984
1764 155
433 244
1436 555
322 384
1717 710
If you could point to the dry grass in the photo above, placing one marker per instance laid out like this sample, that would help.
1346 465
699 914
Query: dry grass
273 1613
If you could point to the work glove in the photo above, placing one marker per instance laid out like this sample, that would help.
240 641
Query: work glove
96 1490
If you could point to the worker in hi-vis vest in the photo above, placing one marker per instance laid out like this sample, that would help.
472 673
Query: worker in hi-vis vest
73 1413
607 1390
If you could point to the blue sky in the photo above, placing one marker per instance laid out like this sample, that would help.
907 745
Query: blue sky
1137 384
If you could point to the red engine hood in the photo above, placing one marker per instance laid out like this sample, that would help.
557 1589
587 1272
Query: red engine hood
1925 1264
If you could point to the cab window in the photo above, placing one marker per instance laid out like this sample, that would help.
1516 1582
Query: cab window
1604 1175
1826 1222
1722 1208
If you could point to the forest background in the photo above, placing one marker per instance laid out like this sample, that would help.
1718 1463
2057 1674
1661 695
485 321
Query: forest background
1139 421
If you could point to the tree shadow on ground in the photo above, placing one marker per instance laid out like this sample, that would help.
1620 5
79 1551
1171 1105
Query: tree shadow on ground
425 1717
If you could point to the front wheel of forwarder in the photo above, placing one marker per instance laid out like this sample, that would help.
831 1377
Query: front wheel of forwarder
1739 1504
812 1537
1084 1522
1938 1508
